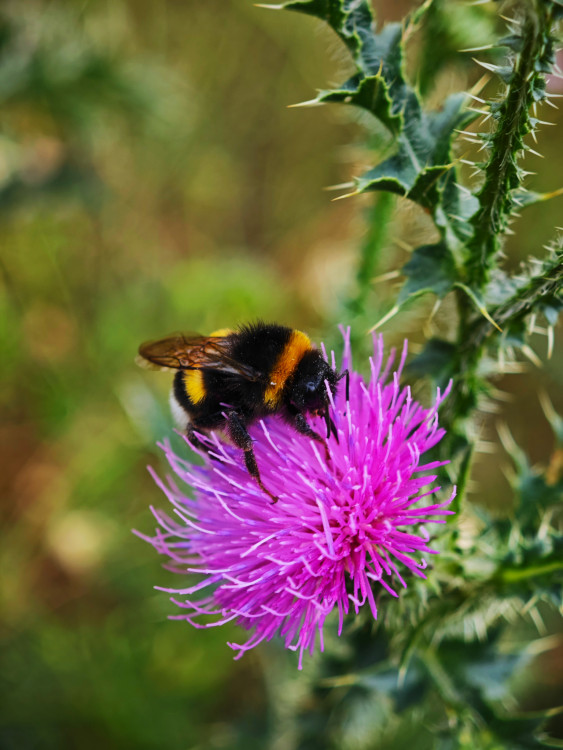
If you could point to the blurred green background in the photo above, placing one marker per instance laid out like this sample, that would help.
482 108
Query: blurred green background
152 179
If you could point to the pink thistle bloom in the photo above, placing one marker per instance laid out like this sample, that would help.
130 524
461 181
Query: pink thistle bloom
342 526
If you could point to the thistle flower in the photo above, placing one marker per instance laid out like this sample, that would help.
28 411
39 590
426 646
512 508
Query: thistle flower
346 523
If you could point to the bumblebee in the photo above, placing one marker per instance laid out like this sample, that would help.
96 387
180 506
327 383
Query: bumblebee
230 379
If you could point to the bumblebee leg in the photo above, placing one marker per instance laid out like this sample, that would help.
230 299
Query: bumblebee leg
194 441
303 428
240 437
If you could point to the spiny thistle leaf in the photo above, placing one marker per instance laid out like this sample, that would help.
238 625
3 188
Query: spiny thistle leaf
523 198
378 87
423 153
430 269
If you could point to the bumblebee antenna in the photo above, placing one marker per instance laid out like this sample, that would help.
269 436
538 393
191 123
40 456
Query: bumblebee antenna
346 375
328 422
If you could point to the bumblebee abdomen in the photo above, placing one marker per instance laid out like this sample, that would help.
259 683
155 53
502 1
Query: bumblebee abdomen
195 401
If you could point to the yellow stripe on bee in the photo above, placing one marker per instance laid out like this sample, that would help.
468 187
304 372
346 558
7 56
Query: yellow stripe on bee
194 385
221 332
193 379
298 345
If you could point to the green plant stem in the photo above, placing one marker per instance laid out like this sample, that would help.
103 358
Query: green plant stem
370 252
514 575
505 144
446 687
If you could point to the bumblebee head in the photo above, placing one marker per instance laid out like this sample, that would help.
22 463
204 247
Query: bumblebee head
307 388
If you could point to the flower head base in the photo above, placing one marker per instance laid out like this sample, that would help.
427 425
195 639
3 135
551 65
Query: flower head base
345 522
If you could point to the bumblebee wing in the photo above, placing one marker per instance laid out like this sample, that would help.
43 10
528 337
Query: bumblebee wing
194 352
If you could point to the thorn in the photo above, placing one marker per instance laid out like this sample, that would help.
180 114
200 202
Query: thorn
483 112
549 341
538 621
551 104
485 446
403 245
533 133
392 312
477 98
553 194
269 7
489 407
309 103
478 49
501 395
541 645
346 195
479 305
526 608
531 150
386 277
488 66
506 439
528 352
514 30
509 473
547 407
436 306
480 85
463 189
341 186
468 161
545 122
514 368
545 524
